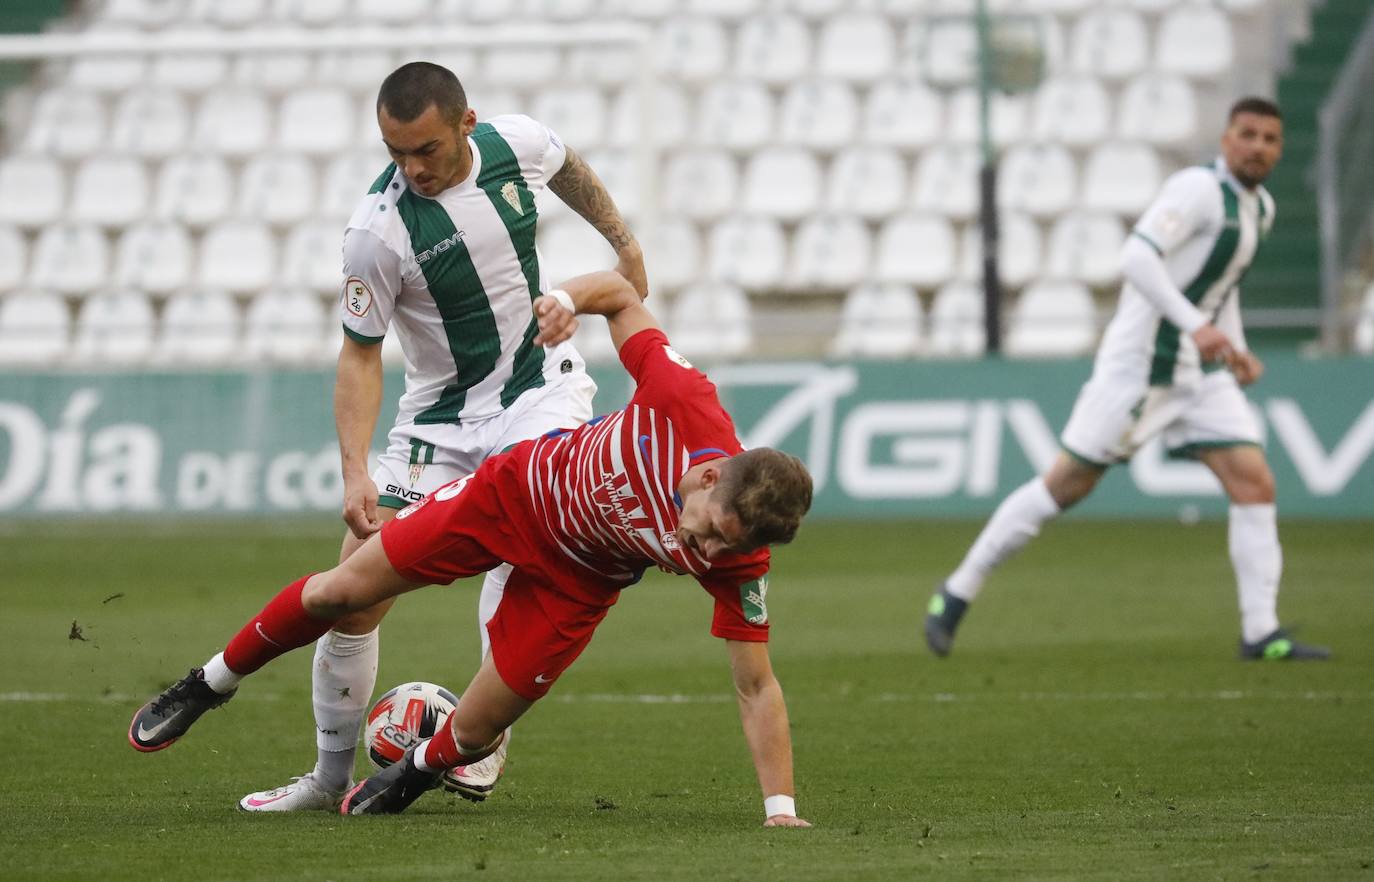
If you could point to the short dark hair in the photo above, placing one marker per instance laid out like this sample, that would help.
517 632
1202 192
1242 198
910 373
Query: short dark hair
1253 104
411 88
769 491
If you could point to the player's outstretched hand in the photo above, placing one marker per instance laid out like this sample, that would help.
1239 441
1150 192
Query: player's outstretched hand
786 821
360 507
556 323
1246 366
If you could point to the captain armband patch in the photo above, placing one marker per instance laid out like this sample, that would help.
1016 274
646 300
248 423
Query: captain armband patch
753 598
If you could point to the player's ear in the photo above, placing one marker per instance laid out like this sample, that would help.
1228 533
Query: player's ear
469 122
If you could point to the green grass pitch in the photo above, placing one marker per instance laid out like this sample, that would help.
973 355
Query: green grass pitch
1092 723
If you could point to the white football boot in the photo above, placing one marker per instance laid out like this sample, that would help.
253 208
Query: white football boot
303 794
475 782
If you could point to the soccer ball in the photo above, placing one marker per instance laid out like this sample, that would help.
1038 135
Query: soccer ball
403 717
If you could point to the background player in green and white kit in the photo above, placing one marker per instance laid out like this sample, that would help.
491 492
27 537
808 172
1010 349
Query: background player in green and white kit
441 252
1171 363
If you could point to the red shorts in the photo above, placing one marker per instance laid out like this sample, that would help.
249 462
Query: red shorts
468 527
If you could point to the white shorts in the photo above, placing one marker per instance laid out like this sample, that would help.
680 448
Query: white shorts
420 459
1112 420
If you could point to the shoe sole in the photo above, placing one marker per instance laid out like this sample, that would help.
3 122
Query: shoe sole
346 804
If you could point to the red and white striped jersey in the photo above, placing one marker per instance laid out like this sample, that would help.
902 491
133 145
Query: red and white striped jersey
605 494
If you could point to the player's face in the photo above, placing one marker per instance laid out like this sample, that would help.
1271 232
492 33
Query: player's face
1252 145
707 528
429 150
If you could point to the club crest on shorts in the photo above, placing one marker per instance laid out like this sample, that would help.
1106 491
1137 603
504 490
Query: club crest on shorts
416 470
357 296
511 194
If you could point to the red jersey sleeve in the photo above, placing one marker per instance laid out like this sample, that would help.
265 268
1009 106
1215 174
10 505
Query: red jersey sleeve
740 588
667 382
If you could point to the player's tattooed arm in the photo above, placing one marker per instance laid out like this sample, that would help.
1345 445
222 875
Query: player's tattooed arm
579 187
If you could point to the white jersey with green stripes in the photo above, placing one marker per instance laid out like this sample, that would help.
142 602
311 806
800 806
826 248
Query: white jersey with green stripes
453 277
1207 227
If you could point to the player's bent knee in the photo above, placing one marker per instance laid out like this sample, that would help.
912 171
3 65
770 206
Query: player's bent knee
332 595
363 621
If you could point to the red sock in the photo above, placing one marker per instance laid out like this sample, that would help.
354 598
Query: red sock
442 750
283 625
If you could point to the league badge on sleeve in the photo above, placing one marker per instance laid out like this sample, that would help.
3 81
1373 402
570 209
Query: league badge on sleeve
675 357
357 296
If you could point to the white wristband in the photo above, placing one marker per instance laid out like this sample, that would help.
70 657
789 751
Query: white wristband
779 805
564 299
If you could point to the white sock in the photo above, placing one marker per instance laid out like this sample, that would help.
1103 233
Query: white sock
1017 520
493 589
342 678
218 676
1253 535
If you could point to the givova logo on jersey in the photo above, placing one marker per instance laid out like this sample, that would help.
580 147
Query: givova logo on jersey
439 247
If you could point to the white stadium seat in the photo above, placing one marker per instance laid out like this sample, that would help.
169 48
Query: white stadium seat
70 259
735 114
190 72
1110 42
830 251
1195 41
391 12
672 250
562 10
619 172
879 321
109 74
198 328
646 10
357 71
1072 110
35 328
1052 319
347 179
194 189
151 123
570 247
233 121
517 67
316 121
488 101
149 14
114 327
154 256
1006 117
728 10
857 47
747 251
816 9
903 114
110 192
278 189
870 182
576 113
274 72
773 49
1038 178
700 184
485 11
593 340
1086 246
664 120
711 321
916 249
31 191
947 49
13 258
1121 177
956 321
313 256
237 255
1159 109
604 66
1151 7
691 49
947 180
783 183
820 114
284 327
315 13
234 13
67 124
1018 251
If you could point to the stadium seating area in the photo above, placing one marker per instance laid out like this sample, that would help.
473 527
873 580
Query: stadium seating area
816 158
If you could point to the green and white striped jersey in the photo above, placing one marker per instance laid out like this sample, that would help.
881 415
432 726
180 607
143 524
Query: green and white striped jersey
1207 227
454 276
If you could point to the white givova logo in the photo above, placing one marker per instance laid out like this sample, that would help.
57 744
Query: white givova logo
439 247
